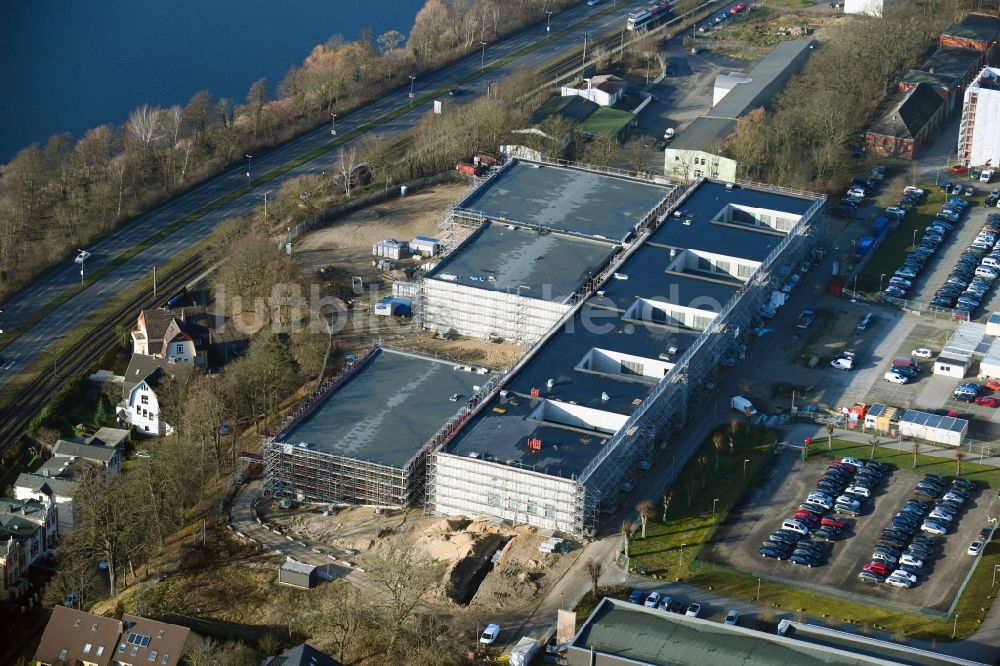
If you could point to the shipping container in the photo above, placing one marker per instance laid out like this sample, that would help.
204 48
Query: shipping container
405 289
424 246
390 248
467 169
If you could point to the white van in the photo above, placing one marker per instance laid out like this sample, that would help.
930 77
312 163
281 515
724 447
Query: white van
991 262
895 378
988 272
795 526
739 403
986 176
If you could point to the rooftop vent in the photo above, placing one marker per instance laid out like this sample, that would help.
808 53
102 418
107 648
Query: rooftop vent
604 397
677 213
730 187
549 383
621 276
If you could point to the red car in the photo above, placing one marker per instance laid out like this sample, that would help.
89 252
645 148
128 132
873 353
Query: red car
738 7
833 523
876 567
987 401
842 465
993 385
802 514
958 169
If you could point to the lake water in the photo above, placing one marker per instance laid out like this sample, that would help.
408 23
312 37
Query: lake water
70 65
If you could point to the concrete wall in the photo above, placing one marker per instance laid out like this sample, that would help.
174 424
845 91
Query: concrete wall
480 313
471 487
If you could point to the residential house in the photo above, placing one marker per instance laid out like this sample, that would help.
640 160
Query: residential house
34 522
106 457
178 335
907 126
602 89
13 569
145 380
301 655
949 71
80 638
56 482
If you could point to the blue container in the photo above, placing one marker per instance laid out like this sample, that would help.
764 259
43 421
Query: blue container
399 307
865 244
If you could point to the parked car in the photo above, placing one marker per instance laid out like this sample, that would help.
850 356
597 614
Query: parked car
492 631
987 401
653 600
731 617
895 378
975 548
693 610
933 528
870 577
921 352
636 597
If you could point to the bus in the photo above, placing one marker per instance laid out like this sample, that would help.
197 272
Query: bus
643 19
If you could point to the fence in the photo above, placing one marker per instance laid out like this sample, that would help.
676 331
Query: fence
906 305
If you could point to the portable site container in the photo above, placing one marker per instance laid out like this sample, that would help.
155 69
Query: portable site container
424 246
933 427
390 248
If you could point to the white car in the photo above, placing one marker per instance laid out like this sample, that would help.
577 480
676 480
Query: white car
913 189
842 363
82 257
909 560
731 617
905 575
975 547
693 610
848 501
940 516
896 378
921 352
952 497
652 600
931 528
898 582
883 557
854 462
858 490
490 635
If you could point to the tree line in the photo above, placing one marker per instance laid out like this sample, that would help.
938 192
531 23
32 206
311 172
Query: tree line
806 139
61 196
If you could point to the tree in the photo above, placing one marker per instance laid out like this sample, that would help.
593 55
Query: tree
645 511
347 160
257 99
874 442
748 412
829 433
625 532
248 272
204 411
734 427
719 441
594 570
916 452
960 456
703 465
405 579
267 374
667 497
636 155
390 40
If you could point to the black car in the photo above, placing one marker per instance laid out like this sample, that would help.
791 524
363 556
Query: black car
891 543
776 545
784 537
984 534
919 502
964 484
677 606
919 550
887 532
924 538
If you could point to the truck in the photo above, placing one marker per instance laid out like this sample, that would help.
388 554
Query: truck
806 319
905 362
523 653
645 18
467 169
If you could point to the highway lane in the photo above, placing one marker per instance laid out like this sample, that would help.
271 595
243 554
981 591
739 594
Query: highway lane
27 302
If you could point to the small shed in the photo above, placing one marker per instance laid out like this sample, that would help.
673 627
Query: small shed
933 427
989 367
952 365
425 246
297 574
390 248
881 418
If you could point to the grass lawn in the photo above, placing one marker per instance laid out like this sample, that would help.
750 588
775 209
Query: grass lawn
661 551
889 257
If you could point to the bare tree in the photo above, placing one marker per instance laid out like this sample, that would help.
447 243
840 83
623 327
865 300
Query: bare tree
390 40
719 441
144 124
703 465
748 412
960 456
625 532
873 442
667 497
405 579
645 511
594 570
347 160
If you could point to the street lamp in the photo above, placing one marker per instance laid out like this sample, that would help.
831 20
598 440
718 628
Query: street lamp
248 169
585 36
714 502
82 259
745 463
333 124
995 567
548 24
412 79
880 278
482 59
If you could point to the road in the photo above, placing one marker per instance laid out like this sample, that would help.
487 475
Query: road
30 300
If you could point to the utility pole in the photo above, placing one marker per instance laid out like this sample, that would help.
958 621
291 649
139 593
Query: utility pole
585 35
248 169
482 59
154 281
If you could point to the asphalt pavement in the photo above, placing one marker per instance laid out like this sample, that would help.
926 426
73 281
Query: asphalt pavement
30 300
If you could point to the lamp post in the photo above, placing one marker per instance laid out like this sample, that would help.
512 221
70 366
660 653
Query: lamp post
333 124
880 278
714 503
482 58
745 463
548 24
914 239
680 559
82 259
995 567
758 590
248 169
412 80
585 36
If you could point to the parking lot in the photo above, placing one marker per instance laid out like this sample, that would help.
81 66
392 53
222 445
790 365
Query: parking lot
789 481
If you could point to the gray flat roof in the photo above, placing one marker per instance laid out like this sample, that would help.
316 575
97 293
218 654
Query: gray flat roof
500 432
648 278
705 203
657 638
388 409
938 421
498 258
573 200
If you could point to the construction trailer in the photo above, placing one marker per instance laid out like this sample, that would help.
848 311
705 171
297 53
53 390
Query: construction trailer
574 423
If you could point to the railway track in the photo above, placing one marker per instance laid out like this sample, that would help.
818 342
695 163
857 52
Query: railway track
16 416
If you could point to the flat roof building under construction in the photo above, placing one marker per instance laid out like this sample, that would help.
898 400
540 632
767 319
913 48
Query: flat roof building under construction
577 201
567 429
362 440
543 234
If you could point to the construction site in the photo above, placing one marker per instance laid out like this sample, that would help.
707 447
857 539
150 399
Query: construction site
636 292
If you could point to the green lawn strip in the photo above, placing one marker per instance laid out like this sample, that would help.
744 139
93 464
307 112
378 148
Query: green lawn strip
890 255
660 552
689 518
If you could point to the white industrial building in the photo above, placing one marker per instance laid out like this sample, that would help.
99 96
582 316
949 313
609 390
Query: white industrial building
566 431
866 7
936 428
979 131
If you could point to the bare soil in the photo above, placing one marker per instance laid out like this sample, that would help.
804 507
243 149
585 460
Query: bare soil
347 243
